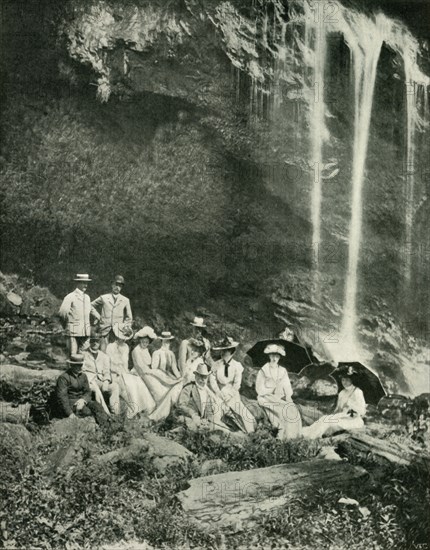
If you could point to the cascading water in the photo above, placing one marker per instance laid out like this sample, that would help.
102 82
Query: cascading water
300 57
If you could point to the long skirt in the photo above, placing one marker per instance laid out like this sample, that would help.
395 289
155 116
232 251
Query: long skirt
332 423
283 415
236 410
136 394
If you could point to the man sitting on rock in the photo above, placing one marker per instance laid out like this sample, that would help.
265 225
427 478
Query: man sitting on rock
199 404
74 394
97 368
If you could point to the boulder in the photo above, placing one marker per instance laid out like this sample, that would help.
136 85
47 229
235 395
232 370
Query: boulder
16 433
165 453
71 427
14 414
39 301
212 466
134 450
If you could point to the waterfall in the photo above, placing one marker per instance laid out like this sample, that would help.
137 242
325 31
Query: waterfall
317 136
365 55
296 47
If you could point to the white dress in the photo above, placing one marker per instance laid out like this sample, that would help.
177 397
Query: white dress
275 396
227 389
350 401
133 390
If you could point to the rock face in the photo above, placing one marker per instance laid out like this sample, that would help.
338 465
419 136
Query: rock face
206 111
234 500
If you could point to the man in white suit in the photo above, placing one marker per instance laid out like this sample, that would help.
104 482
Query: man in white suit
75 313
115 310
97 368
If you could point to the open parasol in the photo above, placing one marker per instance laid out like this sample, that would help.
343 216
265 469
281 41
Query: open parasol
296 356
316 371
364 378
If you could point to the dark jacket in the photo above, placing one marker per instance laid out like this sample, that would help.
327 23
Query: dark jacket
70 388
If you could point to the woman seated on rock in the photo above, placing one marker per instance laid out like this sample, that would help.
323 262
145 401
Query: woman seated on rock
132 389
348 414
225 381
163 381
140 355
275 395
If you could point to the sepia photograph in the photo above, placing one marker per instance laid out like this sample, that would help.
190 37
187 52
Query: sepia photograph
215 274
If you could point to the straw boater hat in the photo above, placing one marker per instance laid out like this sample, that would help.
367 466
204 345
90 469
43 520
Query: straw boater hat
146 332
123 331
275 348
198 322
166 335
76 359
202 369
82 278
225 343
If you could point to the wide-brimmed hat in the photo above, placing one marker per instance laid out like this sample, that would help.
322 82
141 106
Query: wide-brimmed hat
198 322
166 335
225 343
118 279
82 278
123 331
146 332
275 348
202 369
76 359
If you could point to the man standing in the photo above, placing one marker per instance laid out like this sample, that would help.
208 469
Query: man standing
75 313
115 310
74 394
97 368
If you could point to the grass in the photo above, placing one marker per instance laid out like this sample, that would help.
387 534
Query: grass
131 501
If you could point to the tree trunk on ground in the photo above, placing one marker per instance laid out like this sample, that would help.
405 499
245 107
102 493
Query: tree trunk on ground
14 415
395 453
233 500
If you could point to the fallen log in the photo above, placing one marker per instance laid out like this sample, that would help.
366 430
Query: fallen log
19 376
14 414
234 500
396 453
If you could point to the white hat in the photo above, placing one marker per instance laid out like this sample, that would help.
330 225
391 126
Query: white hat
146 332
275 348
166 335
123 331
82 278
202 369
198 322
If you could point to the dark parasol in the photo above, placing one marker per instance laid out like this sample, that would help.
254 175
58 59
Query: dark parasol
362 377
296 356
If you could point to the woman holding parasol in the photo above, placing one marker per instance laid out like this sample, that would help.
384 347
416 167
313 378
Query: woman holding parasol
350 408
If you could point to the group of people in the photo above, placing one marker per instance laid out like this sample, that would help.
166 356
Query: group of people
203 383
